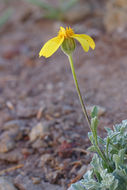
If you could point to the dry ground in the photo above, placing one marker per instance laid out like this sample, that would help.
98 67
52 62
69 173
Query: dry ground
34 90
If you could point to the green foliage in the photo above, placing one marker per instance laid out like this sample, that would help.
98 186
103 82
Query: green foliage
5 17
52 12
94 112
109 165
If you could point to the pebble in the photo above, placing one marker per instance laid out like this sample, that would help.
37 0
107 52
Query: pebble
38 144
39 131
44 159
5 184
13 124
53 176
15 129
36 180
25 183
13 156
12 133
7 143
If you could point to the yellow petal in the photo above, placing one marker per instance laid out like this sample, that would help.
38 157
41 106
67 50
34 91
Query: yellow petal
88 38
84 43
51 46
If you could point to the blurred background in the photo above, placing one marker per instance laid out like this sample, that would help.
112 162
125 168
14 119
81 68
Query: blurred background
43 134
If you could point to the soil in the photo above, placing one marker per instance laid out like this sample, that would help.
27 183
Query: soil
34 90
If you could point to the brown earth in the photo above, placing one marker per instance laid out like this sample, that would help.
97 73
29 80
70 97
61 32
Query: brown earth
34 90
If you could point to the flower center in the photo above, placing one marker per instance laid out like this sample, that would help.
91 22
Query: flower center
66 33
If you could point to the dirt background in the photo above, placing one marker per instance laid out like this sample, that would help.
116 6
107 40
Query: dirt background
43 134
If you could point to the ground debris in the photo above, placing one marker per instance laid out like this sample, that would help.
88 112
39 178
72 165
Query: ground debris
6 184
11 169
25 183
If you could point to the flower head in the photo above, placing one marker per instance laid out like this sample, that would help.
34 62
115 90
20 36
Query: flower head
66 33
65 38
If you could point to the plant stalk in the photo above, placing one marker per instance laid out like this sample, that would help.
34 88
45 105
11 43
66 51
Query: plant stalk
84 108
78 90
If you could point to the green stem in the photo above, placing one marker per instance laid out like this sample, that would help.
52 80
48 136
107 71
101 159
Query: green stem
78 90
104 158
84 108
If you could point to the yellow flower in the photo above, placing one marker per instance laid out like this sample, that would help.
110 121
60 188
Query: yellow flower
53 44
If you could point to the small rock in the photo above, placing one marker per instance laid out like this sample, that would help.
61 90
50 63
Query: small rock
9 137
44 159
15 129
16 134
13 124
5 184
36 180
13 156
24 183
6 142
39 131
53 176
38 144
